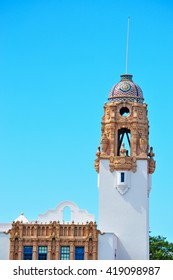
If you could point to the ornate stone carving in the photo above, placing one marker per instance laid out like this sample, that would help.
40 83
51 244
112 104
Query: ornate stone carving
16 245
135 113
107 113
97 160
104 143
53 245
143 146
122 163
115 124
140 114
123 151
90 246
151 165
151 161
53 235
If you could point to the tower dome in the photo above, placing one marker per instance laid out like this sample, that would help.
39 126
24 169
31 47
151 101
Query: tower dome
126 90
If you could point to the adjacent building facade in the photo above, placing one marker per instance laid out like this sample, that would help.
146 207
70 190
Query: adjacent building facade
124 162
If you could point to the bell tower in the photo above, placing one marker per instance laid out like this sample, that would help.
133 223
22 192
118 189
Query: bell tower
124 164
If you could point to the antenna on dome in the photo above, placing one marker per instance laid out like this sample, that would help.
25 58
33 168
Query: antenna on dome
127 45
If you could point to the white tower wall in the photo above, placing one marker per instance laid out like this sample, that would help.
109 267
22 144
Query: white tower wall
107 246
123 209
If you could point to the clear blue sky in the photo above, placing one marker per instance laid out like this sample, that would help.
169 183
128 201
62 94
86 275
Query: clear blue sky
58 62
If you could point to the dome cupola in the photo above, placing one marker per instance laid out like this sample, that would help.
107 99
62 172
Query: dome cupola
126 90
125 128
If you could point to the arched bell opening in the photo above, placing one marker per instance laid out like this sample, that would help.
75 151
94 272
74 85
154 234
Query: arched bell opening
67 214
124 136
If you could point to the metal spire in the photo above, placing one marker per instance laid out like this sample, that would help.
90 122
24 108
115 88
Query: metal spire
127 45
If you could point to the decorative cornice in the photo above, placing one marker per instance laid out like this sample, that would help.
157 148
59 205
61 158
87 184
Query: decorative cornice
122 163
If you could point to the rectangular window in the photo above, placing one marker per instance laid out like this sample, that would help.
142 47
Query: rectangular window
65 253
42 253
122 177
27 252
79 253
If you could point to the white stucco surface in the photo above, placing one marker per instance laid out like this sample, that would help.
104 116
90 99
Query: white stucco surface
4 246
126 215
107 246
22 219
77 215
4 227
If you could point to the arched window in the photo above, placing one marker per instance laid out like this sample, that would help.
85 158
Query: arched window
39 231
61 230
65 231
47 231
43 231
69 231
32 231
24 230
28 231
75 231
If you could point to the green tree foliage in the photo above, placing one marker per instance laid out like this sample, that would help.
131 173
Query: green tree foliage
160 248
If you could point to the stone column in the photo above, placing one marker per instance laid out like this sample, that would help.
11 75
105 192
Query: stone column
58 230
57 254
134 135
20 252
94 250
35 231
49 257
72 257
35 251
86 251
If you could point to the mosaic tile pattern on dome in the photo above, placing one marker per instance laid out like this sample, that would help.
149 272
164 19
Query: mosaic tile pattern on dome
126 89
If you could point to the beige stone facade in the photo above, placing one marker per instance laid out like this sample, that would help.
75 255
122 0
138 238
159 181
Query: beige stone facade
53 236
